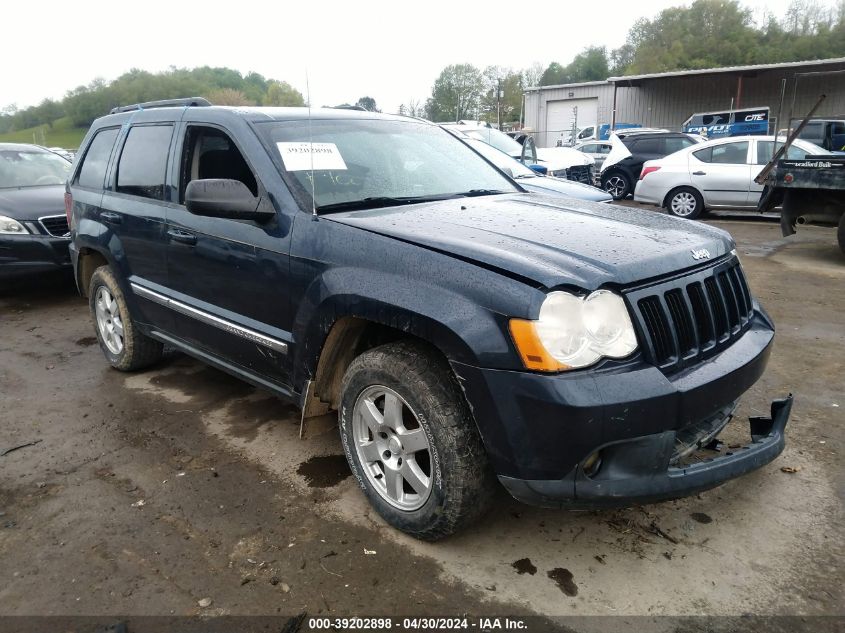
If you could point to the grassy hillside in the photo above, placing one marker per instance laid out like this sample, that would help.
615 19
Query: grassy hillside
61 134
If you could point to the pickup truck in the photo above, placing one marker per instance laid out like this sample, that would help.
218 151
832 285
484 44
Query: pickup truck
460 330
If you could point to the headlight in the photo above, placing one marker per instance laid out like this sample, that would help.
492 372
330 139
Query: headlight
573 332
8 226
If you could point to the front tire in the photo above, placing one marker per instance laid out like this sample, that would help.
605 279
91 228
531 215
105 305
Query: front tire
617 184
411 441
685 202
123 345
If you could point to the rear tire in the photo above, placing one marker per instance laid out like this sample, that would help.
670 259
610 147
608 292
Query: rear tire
617 184
685 202
411 441
123 345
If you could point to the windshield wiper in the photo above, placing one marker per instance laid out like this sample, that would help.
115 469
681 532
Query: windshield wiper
377 202
482 192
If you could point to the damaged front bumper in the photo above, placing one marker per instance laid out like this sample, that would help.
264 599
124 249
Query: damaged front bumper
639 470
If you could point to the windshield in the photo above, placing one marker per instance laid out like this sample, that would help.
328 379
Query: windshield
31 168
497 139
500 159
379 161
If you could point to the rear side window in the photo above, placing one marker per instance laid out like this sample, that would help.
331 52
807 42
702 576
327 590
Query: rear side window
728 154
92 173
143 162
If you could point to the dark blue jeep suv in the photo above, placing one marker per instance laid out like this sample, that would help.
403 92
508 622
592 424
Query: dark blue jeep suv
461 329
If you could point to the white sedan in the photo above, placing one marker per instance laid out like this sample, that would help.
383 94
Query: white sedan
713 175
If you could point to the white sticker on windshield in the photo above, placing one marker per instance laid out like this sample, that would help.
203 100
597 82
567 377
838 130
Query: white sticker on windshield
298 156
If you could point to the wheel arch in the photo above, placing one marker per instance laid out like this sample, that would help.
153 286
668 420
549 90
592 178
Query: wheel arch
88 260
677 188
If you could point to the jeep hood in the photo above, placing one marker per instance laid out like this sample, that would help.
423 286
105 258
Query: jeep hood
549 241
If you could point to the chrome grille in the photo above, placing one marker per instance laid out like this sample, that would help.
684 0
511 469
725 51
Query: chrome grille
693 317
55 225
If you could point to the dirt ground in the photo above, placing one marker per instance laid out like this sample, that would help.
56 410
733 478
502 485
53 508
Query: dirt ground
147 493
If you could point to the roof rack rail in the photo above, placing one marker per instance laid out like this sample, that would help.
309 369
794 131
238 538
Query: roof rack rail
164 103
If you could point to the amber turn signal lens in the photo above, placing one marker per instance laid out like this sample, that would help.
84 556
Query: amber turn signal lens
534 355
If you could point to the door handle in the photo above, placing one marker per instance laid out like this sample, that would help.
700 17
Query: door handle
699 173
183 237
111 218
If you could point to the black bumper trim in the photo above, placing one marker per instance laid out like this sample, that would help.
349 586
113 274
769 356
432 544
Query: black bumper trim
637 470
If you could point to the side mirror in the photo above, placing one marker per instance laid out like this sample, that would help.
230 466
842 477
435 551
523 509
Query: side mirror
529 151
508 171
223 198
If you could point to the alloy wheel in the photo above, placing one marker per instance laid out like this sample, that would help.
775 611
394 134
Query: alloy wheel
393 448
109 321
615 186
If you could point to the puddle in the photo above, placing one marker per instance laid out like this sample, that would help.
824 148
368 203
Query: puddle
324 471
563 578
206 381
524 566
86 341
247 416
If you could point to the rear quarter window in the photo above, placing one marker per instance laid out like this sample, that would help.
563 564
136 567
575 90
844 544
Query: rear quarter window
143 162
676 144
648 146
92 171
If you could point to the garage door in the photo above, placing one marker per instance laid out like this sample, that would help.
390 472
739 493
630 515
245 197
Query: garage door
560 115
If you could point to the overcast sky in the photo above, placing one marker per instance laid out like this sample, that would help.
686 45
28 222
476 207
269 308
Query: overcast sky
386 50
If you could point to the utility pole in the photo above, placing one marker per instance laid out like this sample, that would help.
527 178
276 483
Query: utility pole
499 95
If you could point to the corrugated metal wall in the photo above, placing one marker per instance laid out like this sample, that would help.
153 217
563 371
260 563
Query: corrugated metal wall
667 102
535 106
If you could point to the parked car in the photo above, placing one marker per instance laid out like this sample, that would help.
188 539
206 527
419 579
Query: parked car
826 133
561 162
67 154
597 150
602 132
712 175
630 149
531 181
34 234
461 327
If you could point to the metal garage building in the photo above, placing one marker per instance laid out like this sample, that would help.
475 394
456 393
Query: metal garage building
666 100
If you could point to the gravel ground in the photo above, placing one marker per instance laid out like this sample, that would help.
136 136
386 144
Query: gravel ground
158 492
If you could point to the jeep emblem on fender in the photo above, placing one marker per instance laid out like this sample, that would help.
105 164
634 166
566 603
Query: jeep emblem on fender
701 253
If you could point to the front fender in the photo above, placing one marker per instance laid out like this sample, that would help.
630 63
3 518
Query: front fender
461 329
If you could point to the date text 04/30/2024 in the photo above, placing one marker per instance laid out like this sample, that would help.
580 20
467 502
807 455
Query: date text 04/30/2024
418 624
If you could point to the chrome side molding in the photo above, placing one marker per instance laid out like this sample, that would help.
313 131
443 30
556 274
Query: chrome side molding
210 319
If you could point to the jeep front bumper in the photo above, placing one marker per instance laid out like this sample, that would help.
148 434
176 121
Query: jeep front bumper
540 430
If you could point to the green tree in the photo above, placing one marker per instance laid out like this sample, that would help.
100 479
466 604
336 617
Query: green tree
589 65
368 103
502 99
281 93
553 75
229 97
456 93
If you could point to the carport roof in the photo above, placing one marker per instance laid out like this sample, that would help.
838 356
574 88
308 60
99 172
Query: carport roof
633 79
